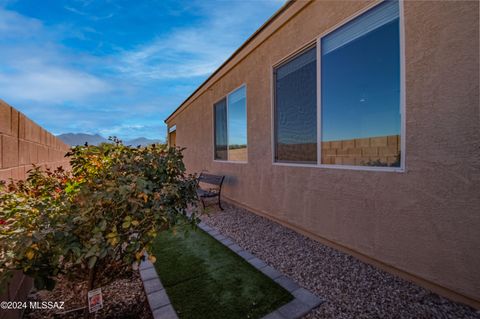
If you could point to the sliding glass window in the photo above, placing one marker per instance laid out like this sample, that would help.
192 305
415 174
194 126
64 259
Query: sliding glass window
296 109
360 89
230 117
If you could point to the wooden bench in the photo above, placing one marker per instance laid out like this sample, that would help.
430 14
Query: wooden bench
203 192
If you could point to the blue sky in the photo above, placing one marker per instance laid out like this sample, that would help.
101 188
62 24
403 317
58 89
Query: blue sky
116 67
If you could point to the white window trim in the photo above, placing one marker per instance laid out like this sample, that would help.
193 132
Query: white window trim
213 124
317 42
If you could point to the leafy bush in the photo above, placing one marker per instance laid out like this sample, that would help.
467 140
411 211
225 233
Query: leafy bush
100 218
33 226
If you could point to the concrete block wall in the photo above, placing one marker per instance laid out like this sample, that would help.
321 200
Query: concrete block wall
362 151
23 143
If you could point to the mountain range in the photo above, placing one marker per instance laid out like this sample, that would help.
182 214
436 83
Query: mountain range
73 139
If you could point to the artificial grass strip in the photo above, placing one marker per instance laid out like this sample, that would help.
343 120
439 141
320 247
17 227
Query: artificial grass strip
205 279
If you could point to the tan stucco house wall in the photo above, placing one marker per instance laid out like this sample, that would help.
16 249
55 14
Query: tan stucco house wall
422 222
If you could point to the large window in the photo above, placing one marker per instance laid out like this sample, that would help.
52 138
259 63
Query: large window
296 109
230 117
360 111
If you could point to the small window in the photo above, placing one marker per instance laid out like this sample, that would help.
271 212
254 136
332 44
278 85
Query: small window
172 136
296 109
230 117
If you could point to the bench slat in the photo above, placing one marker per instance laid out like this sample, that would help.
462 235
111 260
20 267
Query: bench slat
210 179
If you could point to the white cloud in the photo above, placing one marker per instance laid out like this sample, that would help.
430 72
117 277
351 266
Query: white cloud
50 84
196 50
34 68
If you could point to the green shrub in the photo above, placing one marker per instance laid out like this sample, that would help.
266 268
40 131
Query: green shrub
97 220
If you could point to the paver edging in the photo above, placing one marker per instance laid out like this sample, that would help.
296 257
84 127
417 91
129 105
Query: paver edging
304 300
157 297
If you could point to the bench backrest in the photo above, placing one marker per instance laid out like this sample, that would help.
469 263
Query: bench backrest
211 179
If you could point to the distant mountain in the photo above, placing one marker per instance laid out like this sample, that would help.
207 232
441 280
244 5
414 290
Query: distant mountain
142 141
73 139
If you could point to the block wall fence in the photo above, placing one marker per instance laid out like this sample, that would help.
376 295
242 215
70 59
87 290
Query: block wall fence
22 144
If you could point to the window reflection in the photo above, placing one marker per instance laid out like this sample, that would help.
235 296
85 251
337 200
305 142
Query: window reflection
296 109
230 117
360 85
237 125
220 113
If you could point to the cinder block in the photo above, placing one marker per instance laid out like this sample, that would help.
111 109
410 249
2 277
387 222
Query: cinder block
44 137
37 133
379 141
10 151
33 152
355 151
5 118
325 145
330 152
21 125
348 143
328 159
42 154
14 122
362 142
18 173
336 144
348 161
28 129
24 152
50 140
393 140
388 151
369 151
5 174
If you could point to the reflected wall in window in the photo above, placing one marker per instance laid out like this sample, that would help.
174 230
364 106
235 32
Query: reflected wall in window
296 109
231 127
360 85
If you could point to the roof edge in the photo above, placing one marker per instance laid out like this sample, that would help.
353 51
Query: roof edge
234 54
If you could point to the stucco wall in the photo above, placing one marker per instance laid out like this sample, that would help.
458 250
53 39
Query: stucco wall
423 224
23 143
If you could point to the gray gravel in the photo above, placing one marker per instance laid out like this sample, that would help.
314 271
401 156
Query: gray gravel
352 288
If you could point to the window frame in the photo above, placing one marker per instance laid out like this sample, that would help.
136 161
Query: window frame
213 124
317 43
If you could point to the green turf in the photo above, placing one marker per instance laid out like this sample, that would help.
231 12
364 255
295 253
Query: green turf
205 279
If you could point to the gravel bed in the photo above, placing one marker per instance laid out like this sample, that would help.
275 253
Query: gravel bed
352 288
124 298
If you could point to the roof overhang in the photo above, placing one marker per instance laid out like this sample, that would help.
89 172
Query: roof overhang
279 18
